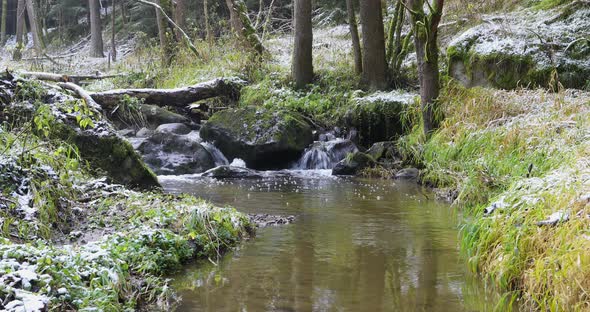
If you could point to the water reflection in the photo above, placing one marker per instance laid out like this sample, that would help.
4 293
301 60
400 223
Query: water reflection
357 245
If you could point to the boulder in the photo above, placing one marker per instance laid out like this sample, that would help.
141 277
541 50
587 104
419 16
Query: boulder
173 154
353 164
263 138
407 174
376 117
174 128
383 150
525 48
98 142
156 116
231 172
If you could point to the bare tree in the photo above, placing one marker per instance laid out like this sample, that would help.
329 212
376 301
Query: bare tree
96 49
302 67
208 36
374 63
354 32
35 30
165 44
425 39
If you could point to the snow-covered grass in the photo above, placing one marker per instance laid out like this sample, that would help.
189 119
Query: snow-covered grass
526 154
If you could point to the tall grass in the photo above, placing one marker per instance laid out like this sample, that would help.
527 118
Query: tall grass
528 152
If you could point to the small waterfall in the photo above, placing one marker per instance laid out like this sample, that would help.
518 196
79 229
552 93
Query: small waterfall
217 155
325 155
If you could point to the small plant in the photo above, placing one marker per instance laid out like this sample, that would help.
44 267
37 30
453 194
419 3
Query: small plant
128 111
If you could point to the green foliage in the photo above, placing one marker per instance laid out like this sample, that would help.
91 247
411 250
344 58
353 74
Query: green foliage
128 111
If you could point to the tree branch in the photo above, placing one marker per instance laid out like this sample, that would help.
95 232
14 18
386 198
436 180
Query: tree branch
187 39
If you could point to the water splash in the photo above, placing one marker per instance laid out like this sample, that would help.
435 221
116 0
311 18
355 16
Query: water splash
237 162
325 155
217 155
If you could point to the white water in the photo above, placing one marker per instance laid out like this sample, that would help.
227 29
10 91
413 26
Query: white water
325 155
217 155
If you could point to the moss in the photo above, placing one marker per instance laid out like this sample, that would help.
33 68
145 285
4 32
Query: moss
375 121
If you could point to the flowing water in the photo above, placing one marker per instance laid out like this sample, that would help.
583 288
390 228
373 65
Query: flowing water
356 245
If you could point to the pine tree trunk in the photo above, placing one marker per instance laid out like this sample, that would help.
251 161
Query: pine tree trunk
96 49
3 25
302 67
180 18
35 30
374 64
354 32
113 33
20 21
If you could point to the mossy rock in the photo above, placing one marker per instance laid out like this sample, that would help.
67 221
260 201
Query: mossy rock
167 153
263 138
353 164
107 151
376 117
524 49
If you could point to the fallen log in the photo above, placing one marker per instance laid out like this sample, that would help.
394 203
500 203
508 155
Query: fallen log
66 78
82 94
179 97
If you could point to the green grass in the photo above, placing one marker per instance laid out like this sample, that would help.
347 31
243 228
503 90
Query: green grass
485 147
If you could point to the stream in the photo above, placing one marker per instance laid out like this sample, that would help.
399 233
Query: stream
355 245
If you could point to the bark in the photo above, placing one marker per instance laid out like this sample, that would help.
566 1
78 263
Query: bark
123 13
35 30
113 32
235 21
96 49
374 63
180 18
242 25
302 67
64 78
164 15
425 39
165 45
208 36
354 32
82 94
172 97
3 18
20 21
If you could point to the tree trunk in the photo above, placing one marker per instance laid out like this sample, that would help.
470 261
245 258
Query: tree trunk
354 32
20 22
113 33
374 63
34 22
243 26
172 97
123 13
235 21
165 45
96 49
425 40
208 36
180 17
3 25
302 67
